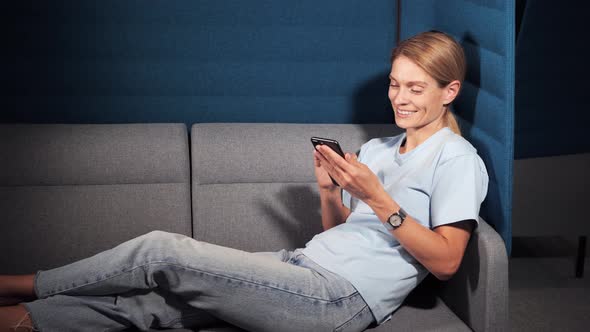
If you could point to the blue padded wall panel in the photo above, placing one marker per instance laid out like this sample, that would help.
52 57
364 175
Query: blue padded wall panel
485 108
177 79
197 61
552 102
210 108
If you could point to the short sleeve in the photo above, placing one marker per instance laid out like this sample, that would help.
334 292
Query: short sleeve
459 187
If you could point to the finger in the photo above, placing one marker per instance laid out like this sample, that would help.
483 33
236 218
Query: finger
352 158
316 159
335 159
318 155
328 153
325 155
319 159
328 167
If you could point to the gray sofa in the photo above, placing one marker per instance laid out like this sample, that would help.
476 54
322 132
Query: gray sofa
69 191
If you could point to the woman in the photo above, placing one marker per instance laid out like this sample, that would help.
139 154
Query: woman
410 205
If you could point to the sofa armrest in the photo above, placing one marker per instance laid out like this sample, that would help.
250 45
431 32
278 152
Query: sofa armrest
478 293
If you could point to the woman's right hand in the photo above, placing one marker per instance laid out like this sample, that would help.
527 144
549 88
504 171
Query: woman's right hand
323 178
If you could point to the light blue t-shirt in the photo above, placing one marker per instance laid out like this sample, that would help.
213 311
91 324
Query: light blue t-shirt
441 181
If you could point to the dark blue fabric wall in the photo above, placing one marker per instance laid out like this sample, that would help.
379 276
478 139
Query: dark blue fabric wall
197 61
485 108
552 105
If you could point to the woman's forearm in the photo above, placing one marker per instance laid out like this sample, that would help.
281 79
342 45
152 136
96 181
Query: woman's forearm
333 211
439 251
432 250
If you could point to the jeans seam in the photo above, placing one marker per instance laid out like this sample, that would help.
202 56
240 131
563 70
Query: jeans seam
265 286
203 272
107 278
343 325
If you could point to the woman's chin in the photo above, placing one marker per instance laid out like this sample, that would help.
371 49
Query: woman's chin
401 123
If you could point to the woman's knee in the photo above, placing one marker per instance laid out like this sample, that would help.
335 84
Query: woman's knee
160 238
159 247
158 235
157 241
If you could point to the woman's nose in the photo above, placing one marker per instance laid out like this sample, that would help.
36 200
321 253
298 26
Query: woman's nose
398 97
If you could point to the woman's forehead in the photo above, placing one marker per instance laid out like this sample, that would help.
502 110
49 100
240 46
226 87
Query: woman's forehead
405 70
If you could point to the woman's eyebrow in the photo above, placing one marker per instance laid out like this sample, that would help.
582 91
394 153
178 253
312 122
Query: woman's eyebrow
417 83
411 82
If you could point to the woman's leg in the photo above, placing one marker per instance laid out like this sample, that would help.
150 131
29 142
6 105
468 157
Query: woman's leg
17 285
143 310
245 289
15 318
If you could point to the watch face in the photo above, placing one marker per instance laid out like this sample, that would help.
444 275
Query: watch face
395 220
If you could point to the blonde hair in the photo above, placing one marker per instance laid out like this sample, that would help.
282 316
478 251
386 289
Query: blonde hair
441 57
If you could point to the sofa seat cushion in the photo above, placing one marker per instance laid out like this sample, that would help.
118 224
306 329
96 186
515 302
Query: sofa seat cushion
431 315
225 328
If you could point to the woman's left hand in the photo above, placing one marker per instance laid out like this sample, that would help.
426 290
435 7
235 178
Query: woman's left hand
352 175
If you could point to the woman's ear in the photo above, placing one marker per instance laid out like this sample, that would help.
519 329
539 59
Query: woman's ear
451 92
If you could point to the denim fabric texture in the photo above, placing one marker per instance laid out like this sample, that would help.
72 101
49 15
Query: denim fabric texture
168 280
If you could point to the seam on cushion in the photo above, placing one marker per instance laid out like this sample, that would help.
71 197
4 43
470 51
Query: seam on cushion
88 185
253 182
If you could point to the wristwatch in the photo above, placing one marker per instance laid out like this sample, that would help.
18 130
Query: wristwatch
395 220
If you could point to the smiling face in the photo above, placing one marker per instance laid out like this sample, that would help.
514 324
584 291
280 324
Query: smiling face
417 100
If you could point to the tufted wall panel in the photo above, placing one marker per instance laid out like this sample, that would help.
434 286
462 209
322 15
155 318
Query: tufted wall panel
197 61
485 108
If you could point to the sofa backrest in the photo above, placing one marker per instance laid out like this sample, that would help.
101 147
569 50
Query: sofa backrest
253 184
253 188
70 191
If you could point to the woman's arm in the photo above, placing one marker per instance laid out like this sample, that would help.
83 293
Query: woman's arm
440 250
333 211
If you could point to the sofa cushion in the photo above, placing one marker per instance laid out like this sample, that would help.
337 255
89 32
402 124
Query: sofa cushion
414 318
421 312
258 179
70 191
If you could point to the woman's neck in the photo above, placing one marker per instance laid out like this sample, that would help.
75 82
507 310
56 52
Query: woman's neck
415 137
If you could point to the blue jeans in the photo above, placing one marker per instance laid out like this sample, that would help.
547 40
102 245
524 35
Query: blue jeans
166 280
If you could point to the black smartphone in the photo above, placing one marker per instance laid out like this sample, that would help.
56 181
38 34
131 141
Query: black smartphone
332 144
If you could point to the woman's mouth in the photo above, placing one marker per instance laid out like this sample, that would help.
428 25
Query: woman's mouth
404 113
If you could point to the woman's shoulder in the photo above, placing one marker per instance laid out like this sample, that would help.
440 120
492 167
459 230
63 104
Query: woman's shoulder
454 146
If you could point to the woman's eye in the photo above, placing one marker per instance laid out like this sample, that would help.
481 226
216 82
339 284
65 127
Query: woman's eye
415 91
